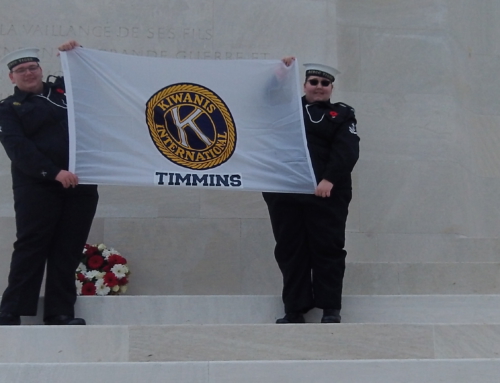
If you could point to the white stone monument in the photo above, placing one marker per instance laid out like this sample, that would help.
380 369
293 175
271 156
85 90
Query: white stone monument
423 78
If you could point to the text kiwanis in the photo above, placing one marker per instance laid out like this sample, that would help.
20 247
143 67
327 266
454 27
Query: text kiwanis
199 180
191 98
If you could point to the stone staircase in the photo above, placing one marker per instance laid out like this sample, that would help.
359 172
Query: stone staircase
215 339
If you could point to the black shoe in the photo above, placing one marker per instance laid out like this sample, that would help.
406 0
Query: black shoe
64 320
7 319
331 316
292 318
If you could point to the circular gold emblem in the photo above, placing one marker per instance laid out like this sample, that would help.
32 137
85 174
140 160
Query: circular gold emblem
191 126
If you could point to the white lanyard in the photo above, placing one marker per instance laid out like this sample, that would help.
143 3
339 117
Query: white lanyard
310 118
49 100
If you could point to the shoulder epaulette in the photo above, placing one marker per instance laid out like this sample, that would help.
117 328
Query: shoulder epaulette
345 106
5 99
345 111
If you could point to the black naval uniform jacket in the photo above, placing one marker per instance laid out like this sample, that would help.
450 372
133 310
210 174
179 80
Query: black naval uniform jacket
34 133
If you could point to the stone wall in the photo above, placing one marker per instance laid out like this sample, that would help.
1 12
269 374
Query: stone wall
423 77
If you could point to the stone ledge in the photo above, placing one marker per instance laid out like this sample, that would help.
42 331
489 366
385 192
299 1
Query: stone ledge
79 344
264 309
299 371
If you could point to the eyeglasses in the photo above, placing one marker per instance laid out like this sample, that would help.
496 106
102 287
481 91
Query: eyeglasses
31 69
315 82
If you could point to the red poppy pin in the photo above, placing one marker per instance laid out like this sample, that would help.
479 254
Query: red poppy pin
333 114
59 90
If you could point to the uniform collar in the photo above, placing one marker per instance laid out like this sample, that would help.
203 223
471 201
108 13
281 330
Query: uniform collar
21 95
323 104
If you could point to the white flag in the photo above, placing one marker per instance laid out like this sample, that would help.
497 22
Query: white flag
186 123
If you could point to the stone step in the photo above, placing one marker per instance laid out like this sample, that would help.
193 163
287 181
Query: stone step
299 371
264 309
193 342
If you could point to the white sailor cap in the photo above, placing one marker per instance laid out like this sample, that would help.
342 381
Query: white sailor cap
20 56
321 70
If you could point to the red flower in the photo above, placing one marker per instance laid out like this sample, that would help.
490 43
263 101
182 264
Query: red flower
115 259
110 279
91 250
333 114
123 281
107 268
95 261
88 289
80 277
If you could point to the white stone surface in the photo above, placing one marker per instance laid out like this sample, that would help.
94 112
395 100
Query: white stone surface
195 372
265 309
423 77
193 342
64 344
395 371
275 342
414 371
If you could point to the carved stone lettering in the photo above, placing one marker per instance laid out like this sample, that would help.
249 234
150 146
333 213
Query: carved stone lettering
108 31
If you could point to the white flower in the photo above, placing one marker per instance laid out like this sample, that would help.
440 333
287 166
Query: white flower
115 288
114 251
78 287
91 274
101 247
106 253
101 288
123 289
81 267
120 270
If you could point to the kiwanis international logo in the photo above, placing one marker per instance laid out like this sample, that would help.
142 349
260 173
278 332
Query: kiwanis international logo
191 126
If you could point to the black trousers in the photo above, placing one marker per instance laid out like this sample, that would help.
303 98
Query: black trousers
310 239
52 227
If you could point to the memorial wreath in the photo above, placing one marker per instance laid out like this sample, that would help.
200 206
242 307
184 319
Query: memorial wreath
101 271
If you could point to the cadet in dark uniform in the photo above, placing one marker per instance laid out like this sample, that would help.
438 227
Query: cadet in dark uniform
310 229
53 213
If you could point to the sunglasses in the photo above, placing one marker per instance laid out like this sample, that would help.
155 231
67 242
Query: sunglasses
315 82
